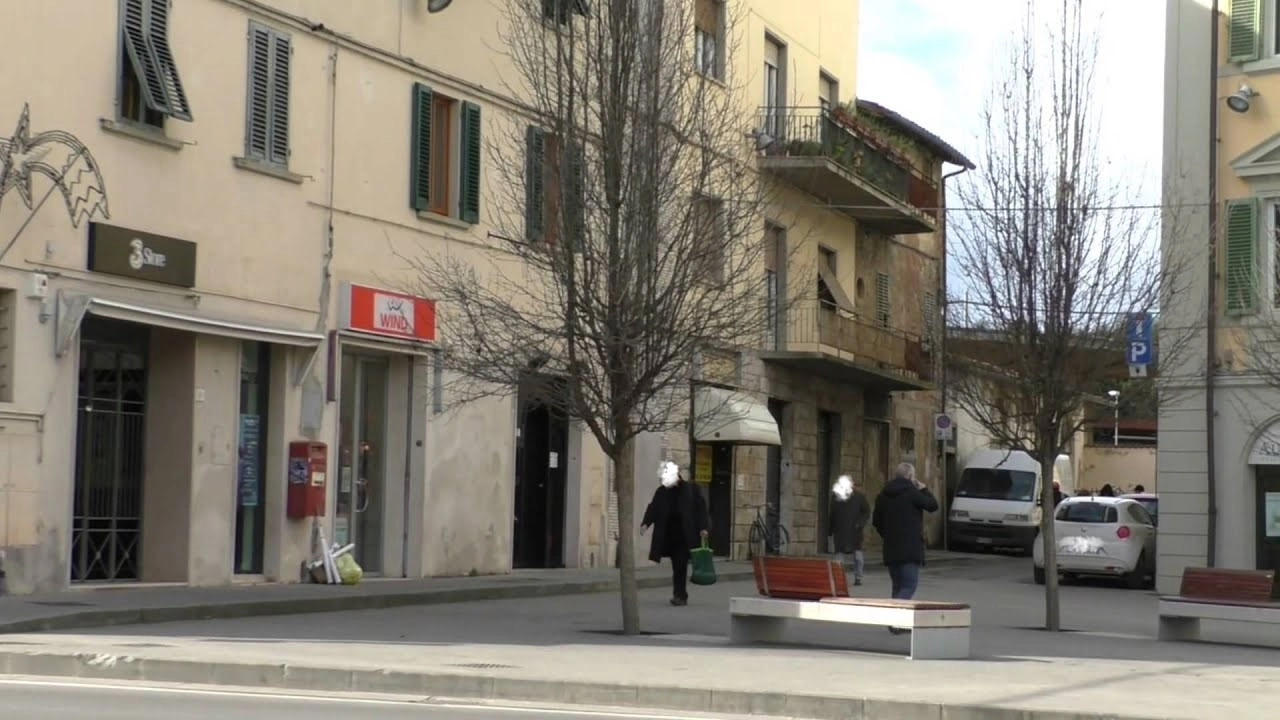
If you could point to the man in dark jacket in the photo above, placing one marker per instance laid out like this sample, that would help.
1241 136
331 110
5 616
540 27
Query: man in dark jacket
899 518
847 519
678 516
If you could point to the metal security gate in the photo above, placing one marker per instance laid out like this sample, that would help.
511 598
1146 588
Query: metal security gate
107 522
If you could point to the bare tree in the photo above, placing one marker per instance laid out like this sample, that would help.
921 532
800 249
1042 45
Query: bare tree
1056 254
640 244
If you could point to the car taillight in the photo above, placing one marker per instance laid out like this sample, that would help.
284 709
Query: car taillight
1123 532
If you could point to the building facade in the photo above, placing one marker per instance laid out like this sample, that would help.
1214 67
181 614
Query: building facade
1222 181
219 273
846 381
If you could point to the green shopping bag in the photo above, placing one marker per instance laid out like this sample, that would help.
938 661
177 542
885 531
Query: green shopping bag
704 566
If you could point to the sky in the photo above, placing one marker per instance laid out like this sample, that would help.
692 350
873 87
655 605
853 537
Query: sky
933 61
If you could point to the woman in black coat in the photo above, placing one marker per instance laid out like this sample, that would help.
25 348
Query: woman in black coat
847 519
678 516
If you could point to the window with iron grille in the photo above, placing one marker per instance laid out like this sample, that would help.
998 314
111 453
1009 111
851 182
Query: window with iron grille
930 310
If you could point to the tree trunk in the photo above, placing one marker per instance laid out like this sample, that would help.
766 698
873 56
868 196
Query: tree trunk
1049 542
625 482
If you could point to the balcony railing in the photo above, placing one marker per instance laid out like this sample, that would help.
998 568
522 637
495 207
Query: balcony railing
818 328
819 133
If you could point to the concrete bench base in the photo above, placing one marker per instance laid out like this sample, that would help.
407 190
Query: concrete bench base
939 631
1180 619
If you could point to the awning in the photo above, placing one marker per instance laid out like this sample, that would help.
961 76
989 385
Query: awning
732 417
73 308
378 343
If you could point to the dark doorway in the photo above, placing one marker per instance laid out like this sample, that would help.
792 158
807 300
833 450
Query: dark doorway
106 533
1268 527
541 450
773 469
828 469
720 499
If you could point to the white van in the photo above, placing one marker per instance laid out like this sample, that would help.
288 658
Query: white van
996 502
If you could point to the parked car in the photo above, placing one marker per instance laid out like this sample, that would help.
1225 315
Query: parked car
1148 501
1102 536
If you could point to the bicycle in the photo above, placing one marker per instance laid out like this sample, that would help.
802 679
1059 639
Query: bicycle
768 536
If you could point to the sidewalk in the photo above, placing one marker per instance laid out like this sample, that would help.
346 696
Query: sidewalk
562 650
123 604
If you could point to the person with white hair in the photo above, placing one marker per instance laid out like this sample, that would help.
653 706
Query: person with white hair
847 518
899 519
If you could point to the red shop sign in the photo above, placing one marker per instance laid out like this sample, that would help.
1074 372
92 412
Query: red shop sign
391 314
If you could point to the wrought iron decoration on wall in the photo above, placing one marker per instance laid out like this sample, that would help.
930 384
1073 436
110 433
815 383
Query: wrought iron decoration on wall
59 156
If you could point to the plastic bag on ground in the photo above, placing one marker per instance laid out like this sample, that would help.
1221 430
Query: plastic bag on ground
349 571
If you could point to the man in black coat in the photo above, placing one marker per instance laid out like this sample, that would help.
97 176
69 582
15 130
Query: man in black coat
678 516
847 519
899 518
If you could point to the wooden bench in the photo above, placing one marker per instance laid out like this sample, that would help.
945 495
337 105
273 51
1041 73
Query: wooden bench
818 590
1218 594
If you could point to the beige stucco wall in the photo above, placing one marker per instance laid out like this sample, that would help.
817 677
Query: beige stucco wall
263 246
1121 467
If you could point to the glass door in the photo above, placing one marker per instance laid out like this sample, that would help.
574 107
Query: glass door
255 391
362 433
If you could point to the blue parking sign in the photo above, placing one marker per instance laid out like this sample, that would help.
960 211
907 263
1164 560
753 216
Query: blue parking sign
1141 344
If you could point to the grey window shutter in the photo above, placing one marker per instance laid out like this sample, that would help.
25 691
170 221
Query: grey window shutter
883 307
534 143
258 113
576 202
420 149
166 66
133 25
282 51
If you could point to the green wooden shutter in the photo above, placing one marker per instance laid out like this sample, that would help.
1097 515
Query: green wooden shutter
281 54
166 66
134 28
420 149
1244 41
577 195
469 207
533 187
258 111
1242 257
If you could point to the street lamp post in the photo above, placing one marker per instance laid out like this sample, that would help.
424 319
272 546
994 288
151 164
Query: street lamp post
1115 422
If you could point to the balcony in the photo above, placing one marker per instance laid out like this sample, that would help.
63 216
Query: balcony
821 340
828 156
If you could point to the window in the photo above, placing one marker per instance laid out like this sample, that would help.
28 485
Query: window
906 442
994 484
775 254
828 91
8 335
708 37
1139 515
774 55
560 11
831 294
444 173
709 260
555 202
150 89
1253 32
1086 512
267 131
882 300
930 310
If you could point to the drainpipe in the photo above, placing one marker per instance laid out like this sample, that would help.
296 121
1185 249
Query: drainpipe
942 351
1211 322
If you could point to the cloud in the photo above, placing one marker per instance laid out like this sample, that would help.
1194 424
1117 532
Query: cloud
934 61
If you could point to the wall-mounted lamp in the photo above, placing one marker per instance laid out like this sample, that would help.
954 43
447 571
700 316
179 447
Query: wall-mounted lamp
437 5
1239 101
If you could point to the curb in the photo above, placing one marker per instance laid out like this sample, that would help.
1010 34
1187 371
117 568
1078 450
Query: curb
479 687
337 603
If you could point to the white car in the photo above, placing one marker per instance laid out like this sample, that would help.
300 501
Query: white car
1102 536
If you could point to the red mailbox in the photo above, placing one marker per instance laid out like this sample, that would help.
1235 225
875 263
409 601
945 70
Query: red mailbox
308 463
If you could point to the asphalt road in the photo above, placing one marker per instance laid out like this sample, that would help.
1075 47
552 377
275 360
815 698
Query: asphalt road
37 699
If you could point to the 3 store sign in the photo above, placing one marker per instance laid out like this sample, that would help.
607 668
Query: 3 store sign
391 314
